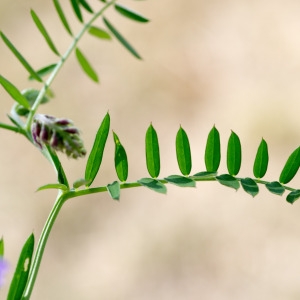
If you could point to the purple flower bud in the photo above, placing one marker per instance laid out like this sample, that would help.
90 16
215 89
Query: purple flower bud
63 122
71 130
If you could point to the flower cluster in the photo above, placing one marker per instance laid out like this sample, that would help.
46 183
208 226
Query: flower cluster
59 134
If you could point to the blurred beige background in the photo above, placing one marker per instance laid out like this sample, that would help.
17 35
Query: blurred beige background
235 64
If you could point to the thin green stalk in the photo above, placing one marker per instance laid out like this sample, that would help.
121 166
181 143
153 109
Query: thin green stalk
41 246
12 128
62 61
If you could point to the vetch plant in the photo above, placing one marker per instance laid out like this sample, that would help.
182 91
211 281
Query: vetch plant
52 134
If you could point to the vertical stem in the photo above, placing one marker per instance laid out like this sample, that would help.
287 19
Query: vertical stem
42 244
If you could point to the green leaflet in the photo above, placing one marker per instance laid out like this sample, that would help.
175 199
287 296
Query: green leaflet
80 182
153 184
229 181
250 186
58 186
234 154
152 152
21 59
86 66
98 32
62 16
121 162
291 167
261 160
275 187
1 247
19 280
204 175
95 157
181 181
114 190
121 39
183 152
44 32
130 13
44 71
77 10
86 6
61 176
14 92
293 196
212 155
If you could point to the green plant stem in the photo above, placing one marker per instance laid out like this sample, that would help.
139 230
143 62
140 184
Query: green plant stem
62 61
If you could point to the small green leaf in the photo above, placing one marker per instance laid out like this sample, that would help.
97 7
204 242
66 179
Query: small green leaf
114 190
121 39
130 13
204 175
86 6
80 182
213 151
181 181
152 152
61 176
86 66
234 154
95 157
77 10
21 59
44 71
293 196
19 280
250 186
275 187
62 16
44 32
14 92
291 167
261 160
183 152
57 186
229 181
121 162
98 32
1 247
153 184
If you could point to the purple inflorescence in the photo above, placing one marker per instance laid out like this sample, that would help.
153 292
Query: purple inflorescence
59 134
3 270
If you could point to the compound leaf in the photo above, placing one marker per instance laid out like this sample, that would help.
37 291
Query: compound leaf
86 66
261 160
44 32
250 186
153 184
212 155
130 13
19 280
234 154
183 152
121 39
62 16
152 152
14 92
95 157
121 162
21 59
291 167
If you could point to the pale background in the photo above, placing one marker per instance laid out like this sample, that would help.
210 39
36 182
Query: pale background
235 64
